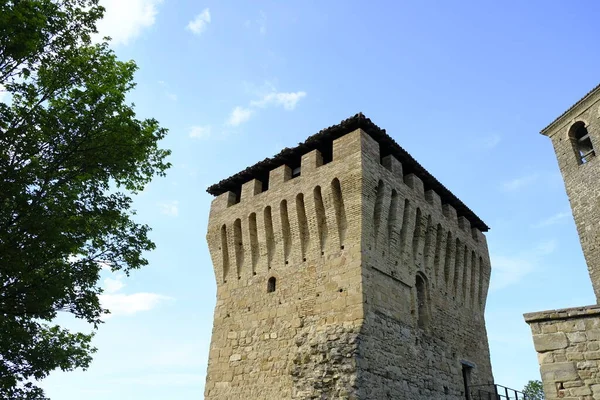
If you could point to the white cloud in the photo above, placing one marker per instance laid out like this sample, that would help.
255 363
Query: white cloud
127 304
262 23
545 248
287 100
113 285
269 97
553 220
3 93
509 270
171 208
200 132
200 23
170 95
124 20
519 183
239 115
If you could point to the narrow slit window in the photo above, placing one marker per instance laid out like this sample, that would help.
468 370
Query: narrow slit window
271 284
422 299
582 143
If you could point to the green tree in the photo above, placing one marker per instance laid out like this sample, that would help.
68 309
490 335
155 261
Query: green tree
72 152
534 390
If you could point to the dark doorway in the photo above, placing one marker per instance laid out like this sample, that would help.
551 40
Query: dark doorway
466 373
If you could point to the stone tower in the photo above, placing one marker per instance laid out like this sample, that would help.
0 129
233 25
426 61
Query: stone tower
574 135
345 270
568 340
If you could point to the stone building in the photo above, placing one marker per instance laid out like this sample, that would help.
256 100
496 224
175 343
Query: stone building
346 271
568 340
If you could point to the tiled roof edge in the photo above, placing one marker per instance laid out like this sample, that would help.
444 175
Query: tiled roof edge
588 94
334 132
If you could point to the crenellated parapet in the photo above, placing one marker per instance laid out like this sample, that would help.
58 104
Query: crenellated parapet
411 229
291 218
298 212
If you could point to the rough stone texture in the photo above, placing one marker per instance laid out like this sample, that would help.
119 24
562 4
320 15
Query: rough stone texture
568 340
582 181
568 346
379 289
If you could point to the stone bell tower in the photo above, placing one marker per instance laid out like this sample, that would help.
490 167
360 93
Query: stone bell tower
568 340
345 270
575 136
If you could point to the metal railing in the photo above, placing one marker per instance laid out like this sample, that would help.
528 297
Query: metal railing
495 392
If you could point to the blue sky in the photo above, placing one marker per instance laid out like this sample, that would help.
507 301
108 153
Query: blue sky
465 87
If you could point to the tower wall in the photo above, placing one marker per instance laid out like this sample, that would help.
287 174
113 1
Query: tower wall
301 337
379 287
414 347
582 180
567 340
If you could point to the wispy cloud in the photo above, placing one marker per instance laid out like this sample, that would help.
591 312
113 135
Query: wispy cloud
491 141
269 98
288 100
261 22
170 95
124 20
199 24
200 132
509 270
519 183
129 304
120 304
553 220
113 285
170 208
238 116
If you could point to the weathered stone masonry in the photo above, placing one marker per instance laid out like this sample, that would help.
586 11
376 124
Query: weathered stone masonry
345 270
568 340
582 179
568 346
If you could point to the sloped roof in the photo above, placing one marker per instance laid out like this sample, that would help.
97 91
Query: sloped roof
588 94
387 146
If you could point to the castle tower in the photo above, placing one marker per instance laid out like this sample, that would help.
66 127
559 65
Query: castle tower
345 270
575 136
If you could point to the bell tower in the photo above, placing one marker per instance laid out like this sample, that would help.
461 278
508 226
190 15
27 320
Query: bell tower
575 136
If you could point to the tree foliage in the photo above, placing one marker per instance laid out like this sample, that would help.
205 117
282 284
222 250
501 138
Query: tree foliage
534 390
71 153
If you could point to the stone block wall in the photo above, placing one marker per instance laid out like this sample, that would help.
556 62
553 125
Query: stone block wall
414 345
582 180
568 346
351 280
300 339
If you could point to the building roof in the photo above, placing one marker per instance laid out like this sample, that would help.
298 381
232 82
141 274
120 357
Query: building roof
588 94
387 146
